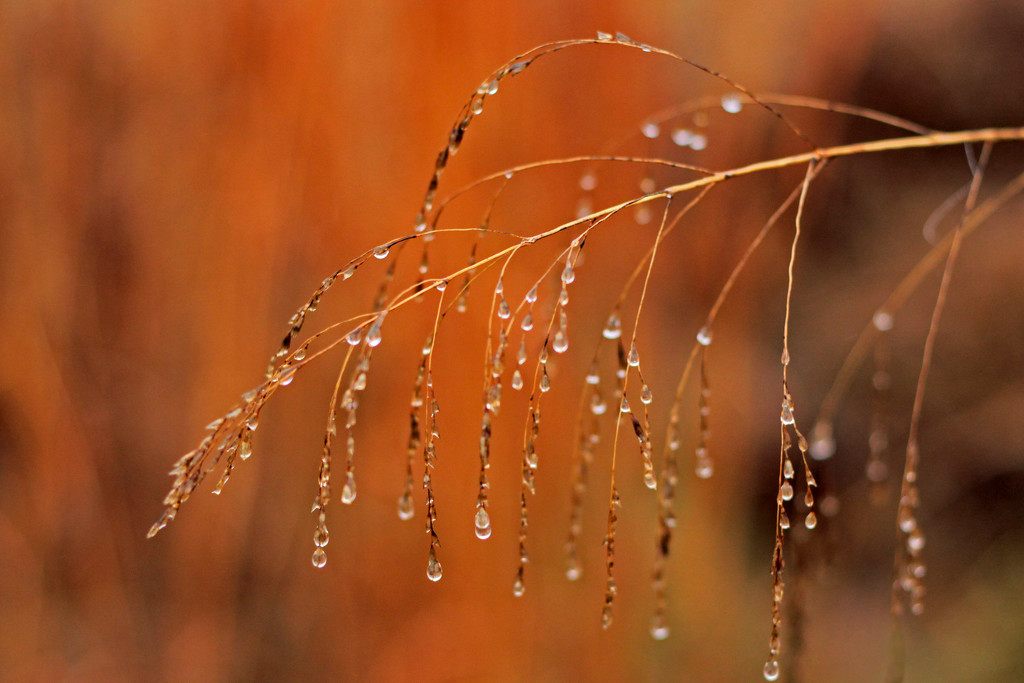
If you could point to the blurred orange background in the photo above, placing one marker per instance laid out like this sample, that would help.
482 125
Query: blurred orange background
177 178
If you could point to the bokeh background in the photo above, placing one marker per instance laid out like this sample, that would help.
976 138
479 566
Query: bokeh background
176 178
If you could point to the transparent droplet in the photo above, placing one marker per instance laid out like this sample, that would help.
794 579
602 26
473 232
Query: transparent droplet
573 571
682 137
624 406
354 337
704 336
823 446
651 130
433 567
441 285
698 142
568 275
705 468
659 629
518 588
560 342
381 252
771 670
483 523
319 558
787 412
349 272
517 380
321 537
783 520
906 519
613 328
492 87
588 181
787 469
732 103
650 481
300 353
287 375
405 511
915 541
785 356
478 106
531 296
428 346
545 381
244 449
601 35
563 297
634 357
504 312
646 396
348 493
373 334
811 520
592 376
597 405
882 321
527 323
786 491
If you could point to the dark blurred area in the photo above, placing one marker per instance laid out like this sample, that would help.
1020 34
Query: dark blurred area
177 178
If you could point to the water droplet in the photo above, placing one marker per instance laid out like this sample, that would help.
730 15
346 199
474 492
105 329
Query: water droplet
531 296
381 252
563 297
287 375
787 412
785 356
601 35
811 520
568 275
478 106
650 130
646 396
300 353
823 446
682 137
771 670
787 469
319 558
545 381
349 272
650 481
244 449
915 541
573 571
783 520
517 380
698 142
613 329
348 493
354 337
906 519
704 336
882 321
321 536
592 376
527 323
483 523
705 468
659 629
504 312
433 567
518 588
732 103
560 342
786 491
588 181
405 511
624 406
634 356
492 87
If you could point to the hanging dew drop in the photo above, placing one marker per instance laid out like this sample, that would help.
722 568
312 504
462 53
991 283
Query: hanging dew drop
811 520
882 321
527 323
531 296
354 337
704 336
568 275
321 537
433 568
613 329
787 412
771 670
483 524
646 396
381 252
517 380
624 406
659 629
634 356
650 130
698 142
405 511
518 588
732 104
545 382
560 342
319 558
786 491
348 493
504 312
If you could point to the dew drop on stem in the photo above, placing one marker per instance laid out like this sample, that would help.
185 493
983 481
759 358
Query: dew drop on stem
704 336
381 252
613 328
319 558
